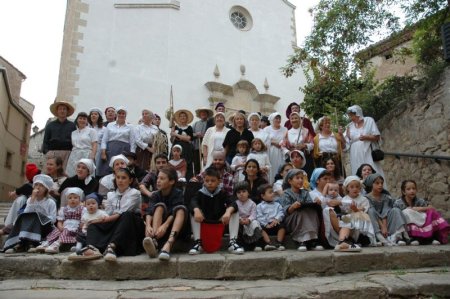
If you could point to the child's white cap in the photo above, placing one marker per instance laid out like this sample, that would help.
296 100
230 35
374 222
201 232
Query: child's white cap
43 179
72 190
178 147
350 179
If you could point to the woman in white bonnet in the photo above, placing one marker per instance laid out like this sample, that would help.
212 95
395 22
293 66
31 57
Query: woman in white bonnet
361 133
276 135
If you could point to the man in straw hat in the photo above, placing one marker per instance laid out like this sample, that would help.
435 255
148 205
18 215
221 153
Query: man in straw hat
199 128
58 133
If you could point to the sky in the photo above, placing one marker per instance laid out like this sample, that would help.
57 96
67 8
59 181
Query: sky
31 33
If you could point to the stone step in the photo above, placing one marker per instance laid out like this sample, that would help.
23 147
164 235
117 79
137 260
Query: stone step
407 283
278 265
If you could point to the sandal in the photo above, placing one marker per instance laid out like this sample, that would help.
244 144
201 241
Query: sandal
165 253
110 255
83 254
347 246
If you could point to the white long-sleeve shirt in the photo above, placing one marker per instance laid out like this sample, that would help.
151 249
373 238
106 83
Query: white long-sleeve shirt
144 135
46 206
123 133
118 203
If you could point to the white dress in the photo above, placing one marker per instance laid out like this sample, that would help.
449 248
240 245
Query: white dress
263 135
82 146
213 139
276 155
360 151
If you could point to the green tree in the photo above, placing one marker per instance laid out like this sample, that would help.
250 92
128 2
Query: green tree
344 27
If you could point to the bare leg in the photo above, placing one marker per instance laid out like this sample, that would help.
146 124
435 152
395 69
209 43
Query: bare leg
157 218
176 227
281 234
266 237
334 221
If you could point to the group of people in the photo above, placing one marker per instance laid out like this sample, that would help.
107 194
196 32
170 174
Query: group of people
116 189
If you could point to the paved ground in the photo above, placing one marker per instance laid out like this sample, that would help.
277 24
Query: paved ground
417 283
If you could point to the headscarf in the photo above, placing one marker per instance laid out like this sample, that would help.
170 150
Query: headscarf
91 167
289 108
295 113
253 114
370 179
31 170
301 154
43 179
356 110
273 115
350 179
219 113
95 109
118 157
72 190
315 176
98 198
290 174
178 147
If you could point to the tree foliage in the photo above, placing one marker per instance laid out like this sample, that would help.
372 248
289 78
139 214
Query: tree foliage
344 27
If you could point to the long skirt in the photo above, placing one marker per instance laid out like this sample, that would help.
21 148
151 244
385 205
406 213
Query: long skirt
144 157
113 148
65 237
303 224
251 232
75 156
434 225
395 220
30 228
13 212
127 233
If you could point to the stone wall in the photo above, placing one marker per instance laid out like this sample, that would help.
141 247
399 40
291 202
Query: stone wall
421 126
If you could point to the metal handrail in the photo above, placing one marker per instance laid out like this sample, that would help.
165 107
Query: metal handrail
412 155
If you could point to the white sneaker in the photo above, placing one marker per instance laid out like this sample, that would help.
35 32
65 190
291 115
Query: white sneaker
42 247
435 242
318 248
257 248
269 247
415 243
302 248
234 247
197 249
401 243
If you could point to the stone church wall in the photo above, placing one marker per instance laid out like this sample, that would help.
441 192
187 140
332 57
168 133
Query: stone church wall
421 126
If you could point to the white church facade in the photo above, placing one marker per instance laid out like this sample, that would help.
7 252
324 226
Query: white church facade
131 52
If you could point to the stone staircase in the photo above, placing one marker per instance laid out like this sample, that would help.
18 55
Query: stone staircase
4 208
383 272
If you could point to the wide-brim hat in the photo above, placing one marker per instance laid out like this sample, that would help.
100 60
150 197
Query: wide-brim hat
209 111
190 116
54 108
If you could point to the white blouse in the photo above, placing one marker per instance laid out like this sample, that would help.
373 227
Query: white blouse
294 138
83 139
123 133
328 144
263 135
46 206
118 203
144 135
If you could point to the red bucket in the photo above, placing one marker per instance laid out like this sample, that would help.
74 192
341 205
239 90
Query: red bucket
211 235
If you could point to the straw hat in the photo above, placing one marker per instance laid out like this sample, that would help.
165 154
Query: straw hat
209 111
190 116
54 108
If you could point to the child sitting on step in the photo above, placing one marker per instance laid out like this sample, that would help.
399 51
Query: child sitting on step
388 222
68 222
302 212
355 220
166 215
424 224
251 230
91 215
213 205
270 216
